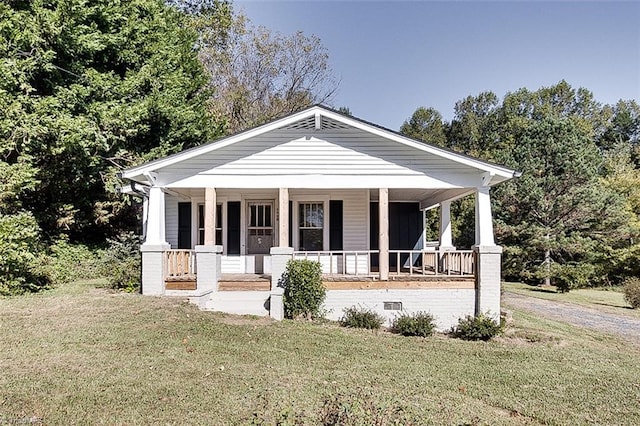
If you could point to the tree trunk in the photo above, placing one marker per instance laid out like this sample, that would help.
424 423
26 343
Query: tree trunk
547 264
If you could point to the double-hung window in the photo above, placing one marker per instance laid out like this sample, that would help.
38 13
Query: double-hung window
311 226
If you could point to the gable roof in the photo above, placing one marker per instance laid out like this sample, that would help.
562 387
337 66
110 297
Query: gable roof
320 117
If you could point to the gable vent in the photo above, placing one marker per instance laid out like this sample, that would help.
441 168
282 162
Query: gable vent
310 124
306 124
328 123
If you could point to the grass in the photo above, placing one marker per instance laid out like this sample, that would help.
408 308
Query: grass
606 300
81 355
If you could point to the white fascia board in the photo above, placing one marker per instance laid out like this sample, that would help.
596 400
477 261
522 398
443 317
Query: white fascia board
478 164
138 171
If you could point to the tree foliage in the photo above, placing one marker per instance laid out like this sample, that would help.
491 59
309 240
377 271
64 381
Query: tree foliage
426 125
260 75
87 88
572 219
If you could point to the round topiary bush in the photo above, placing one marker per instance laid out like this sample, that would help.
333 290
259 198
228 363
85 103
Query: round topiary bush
417 324
631 289
304 292
361 318
481 327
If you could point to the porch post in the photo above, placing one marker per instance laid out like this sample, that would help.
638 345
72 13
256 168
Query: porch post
283 221
383 233
446 241
484 223
153 264
209 216
488 258
155 220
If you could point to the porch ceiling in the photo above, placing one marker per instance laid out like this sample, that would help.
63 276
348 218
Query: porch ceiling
426 197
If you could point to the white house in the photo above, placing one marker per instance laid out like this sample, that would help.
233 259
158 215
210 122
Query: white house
221 220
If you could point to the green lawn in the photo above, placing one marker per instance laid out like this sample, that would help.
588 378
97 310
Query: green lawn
607 300
81 355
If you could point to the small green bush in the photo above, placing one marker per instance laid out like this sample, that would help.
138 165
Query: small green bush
481 327
631 289
70 262
121 263
417 324
361 318
304 292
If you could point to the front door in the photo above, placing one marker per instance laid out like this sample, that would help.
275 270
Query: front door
260 231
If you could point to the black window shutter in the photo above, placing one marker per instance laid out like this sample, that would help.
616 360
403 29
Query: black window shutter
291 213
233 227
335 225
184 225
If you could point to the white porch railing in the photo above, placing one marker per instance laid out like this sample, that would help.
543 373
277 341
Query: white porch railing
401 262
433 262
180 264
357 262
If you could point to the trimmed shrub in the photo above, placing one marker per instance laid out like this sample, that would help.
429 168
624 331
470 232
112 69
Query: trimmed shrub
631 289
122 262
416 324
361 318
304 292
481 327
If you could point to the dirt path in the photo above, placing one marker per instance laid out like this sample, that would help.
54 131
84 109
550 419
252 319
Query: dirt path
628 328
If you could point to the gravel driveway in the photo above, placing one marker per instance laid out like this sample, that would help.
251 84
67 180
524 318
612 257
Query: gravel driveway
626 327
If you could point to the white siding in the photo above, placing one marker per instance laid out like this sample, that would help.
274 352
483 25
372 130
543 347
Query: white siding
330 152
171 220
446 305
355 218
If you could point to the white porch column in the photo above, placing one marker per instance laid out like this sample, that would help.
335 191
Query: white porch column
484 222
155 219
283 220
153 264
383 233
488 258
209 216
446 240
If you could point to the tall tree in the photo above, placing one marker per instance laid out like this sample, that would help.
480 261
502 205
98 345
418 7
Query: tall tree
558 215
261 75
426 125
88 88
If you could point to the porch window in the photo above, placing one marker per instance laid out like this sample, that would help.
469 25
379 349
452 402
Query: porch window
218 224
311 224
260 219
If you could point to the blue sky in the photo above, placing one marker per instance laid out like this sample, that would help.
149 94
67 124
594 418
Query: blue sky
394 56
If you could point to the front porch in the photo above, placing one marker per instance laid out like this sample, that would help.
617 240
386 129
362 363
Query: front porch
365 267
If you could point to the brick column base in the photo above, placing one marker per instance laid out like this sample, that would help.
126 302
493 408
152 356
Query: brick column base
279 258
488 260
153 272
